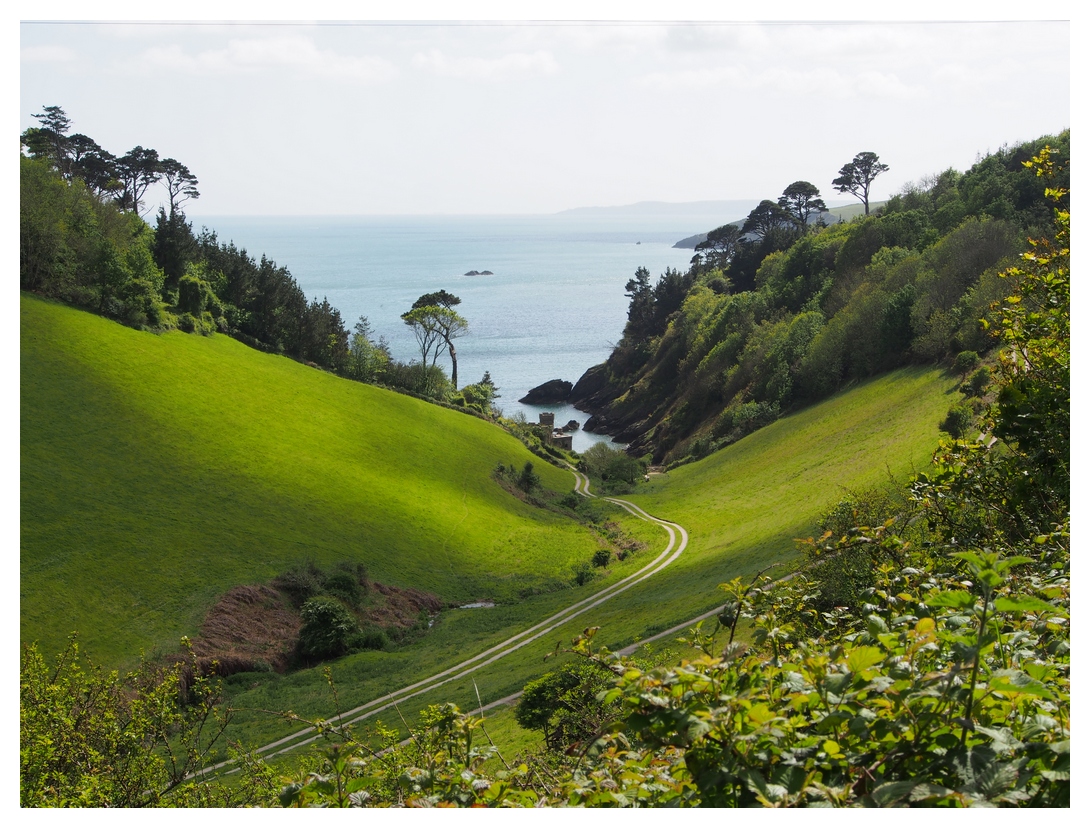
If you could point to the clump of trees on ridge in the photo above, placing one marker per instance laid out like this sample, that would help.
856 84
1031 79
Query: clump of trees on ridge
83 240
781 310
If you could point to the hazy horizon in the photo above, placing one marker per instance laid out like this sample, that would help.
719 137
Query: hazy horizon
542 117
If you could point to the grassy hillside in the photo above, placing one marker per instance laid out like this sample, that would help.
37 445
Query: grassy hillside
743 507
159 470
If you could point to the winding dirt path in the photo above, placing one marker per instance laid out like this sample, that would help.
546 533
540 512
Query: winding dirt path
678 540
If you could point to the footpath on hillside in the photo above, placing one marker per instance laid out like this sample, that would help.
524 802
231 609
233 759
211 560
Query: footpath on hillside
678 540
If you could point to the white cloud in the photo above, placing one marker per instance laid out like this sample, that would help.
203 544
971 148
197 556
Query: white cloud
47 54
786 81
512 65
298 54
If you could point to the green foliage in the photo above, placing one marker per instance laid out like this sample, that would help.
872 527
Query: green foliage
650 307
907 284
582 574
90 738
958 421
328 628
367 359
370 637
347 582
571 500
845 579
481 396
442 764
609 464
565 704
80 244
602 558
871 718
966 361
1034 402
76 248
528 479
978 382
427 381
736 422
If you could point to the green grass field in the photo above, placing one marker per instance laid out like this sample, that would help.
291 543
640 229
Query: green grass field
743 507
158 471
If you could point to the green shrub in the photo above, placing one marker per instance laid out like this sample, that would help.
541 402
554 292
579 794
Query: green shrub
959 420
344 585
564 705
528 479
601 558
979 381
328 627
371 637
571 500
300 583
607 463
582 574
195 296
738 421
965 362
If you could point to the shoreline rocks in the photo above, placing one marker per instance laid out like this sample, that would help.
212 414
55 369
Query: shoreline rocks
548 393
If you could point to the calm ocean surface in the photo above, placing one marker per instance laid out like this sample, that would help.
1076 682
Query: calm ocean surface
552 309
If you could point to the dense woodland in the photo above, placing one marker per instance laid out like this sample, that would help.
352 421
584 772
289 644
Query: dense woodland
783 311
920 655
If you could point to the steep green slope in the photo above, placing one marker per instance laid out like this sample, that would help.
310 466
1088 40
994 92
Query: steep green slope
159 470
773 483
744 505
757 328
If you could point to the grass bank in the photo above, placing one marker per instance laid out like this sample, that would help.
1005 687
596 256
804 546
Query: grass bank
157 471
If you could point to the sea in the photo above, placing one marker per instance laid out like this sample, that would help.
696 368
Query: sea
552 305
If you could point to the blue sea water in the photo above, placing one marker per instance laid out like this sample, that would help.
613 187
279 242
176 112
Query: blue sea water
552 308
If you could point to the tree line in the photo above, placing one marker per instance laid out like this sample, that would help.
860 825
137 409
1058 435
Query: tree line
124 179
83 240
779 310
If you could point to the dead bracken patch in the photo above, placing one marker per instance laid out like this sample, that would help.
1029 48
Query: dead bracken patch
256 627
248 625
398 607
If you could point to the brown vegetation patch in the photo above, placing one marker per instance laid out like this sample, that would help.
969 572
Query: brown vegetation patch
399 607
256 627
248 625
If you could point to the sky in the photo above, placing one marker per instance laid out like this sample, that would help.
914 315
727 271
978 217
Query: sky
519 117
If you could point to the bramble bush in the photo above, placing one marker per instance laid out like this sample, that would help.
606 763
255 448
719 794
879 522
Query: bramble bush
91 738
328 628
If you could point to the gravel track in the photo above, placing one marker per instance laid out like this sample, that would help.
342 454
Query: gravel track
678 540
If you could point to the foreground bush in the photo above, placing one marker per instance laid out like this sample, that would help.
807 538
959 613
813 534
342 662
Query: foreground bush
90 738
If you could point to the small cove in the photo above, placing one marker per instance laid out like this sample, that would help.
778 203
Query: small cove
552 307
